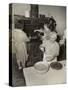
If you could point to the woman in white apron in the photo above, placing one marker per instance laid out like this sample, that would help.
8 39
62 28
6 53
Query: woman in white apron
50 48
19 40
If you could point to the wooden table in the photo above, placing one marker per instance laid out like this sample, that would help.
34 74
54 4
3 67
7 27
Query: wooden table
32 77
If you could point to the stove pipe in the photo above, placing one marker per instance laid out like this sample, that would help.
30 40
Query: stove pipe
34 11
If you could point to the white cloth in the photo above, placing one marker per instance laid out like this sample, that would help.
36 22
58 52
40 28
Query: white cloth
32 77
51 59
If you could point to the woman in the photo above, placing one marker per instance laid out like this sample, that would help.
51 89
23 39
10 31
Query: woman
62 43
19 40
49 45
50 48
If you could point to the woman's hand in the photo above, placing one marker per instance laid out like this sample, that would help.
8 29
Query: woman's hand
41 48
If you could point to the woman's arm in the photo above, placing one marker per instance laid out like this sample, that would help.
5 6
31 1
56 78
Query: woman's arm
39 30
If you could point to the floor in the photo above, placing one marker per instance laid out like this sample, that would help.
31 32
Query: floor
17 76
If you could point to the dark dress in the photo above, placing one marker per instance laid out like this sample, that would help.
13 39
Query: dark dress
62 52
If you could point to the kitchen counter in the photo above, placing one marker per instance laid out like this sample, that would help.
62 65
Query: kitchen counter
32 77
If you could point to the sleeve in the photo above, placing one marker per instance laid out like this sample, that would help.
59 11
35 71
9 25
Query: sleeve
25 37
56 49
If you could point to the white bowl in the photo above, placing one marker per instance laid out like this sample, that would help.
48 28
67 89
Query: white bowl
42 67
